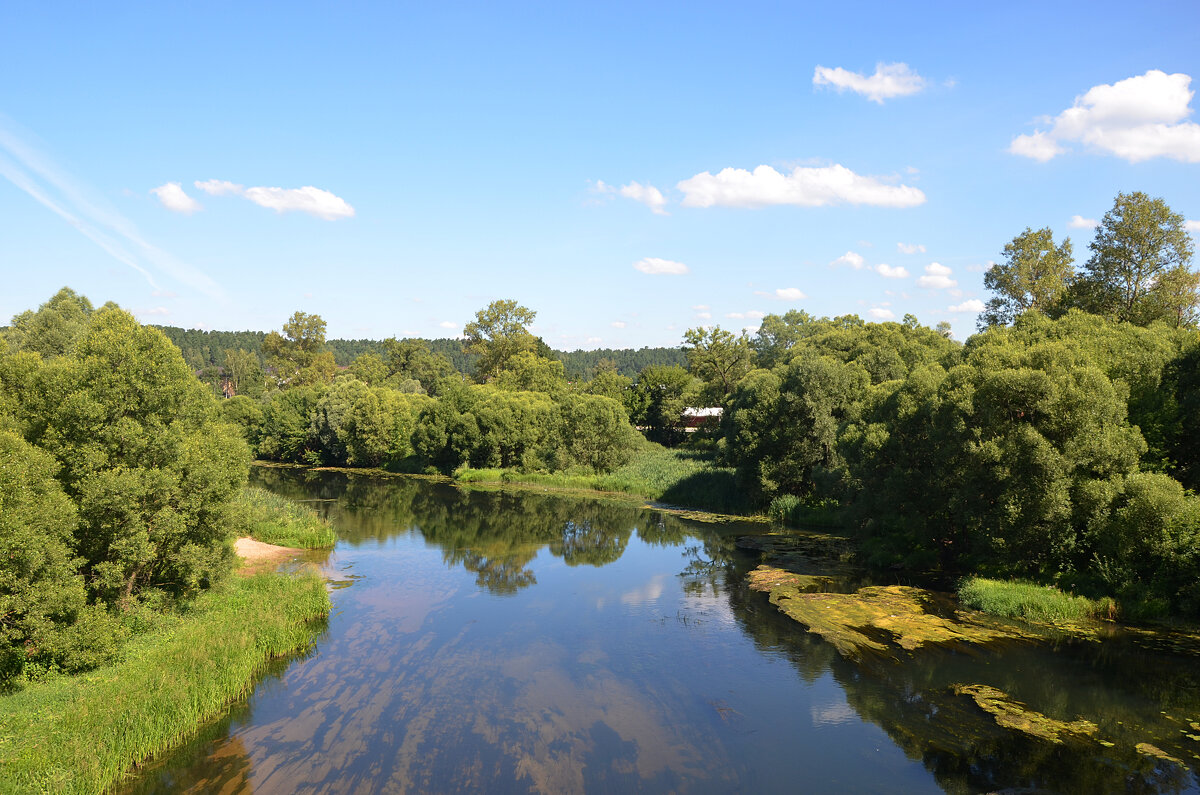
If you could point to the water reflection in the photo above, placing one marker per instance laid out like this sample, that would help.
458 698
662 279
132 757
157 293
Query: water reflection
507 641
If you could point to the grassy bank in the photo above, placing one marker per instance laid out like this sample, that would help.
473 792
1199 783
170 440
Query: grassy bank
80 734
277 520
654 473
1017 599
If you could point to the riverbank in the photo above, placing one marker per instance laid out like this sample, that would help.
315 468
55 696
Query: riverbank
81 734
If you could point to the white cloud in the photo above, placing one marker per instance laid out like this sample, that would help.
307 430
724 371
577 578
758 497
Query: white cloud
158 310
704 315
879 313
1037 145
600 186
911 248
646 194
654 265
594 340
618 324
970 305
1079 222
174 199
937 277
308 199
890 80
790 294
1192 226
803 187
1136 119
889 272
701 307
851 258
752 314
220 187
448 324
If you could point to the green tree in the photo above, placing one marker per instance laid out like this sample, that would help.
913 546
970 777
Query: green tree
498 333
657 400
54 327
143 454
1034 275
370 369
528 372
243 371
1139 268
719 359
297 348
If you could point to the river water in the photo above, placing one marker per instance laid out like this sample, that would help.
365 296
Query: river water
520 642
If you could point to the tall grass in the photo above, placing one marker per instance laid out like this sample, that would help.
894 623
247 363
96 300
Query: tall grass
1018 599
277 520
80 734
654 473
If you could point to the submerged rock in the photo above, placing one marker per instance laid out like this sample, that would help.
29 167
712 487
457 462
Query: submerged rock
1012 714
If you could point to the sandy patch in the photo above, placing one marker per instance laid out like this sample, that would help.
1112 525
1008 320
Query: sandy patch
257 555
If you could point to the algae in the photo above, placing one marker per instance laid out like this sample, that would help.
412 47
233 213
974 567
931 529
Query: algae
1012 714
768 578
1147 749
877 619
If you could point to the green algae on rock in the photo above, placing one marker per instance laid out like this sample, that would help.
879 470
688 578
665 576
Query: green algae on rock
1012 714
768 578
1147 749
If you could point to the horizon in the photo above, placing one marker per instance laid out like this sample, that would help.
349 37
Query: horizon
626 172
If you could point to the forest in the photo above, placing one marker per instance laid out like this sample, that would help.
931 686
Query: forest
1060 443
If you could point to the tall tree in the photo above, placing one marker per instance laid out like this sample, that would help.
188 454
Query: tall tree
1139 269
298 355
498 333
1034 275
53 329
717 358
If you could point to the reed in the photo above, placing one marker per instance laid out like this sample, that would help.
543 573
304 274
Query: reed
277 520
1019 599
81 734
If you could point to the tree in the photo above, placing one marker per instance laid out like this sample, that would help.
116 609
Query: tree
53 329
657 400
498 333
298 347
413 360
1139 269
1034 275
243 372
719 359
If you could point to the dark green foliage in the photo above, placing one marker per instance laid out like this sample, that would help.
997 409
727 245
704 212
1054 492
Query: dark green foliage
657 401
41 591
781 426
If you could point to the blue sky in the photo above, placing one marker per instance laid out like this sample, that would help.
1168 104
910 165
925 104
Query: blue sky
626 170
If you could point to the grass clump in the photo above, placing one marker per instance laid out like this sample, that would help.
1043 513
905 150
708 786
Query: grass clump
790 509
1018 599
272 519
653 472
80 734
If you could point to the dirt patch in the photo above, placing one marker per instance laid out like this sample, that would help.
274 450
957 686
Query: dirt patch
257 556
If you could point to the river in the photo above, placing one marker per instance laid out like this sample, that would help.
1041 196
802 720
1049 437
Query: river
487 641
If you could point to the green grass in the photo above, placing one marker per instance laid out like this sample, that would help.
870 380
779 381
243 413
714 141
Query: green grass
654 473
80 734
277 520
1018 599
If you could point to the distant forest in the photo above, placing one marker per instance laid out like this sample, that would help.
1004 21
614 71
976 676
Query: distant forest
205 350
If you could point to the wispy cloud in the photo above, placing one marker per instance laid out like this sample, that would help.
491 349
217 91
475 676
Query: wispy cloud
889 80
656 266
1079 222
970 305
790 294
911 248
879 313
646 194
46 183
851 258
